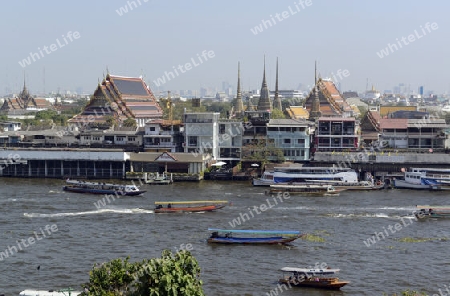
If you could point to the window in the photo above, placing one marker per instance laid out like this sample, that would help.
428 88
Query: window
86 137
131 139
152 128
287 141
120 138
192 141
96 138
221 129
301 141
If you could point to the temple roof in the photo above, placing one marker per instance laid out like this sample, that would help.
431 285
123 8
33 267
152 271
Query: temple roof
297 112
121 97
331 101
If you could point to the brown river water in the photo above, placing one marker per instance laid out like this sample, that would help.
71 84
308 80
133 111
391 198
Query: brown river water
411 255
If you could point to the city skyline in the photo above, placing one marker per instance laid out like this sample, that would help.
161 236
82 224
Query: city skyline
187 46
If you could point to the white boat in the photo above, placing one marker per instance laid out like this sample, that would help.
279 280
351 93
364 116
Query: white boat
425 178
446 109
315 190
62 292
265 180
314 175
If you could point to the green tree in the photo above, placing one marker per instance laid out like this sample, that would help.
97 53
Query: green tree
130 122
262 152
110 120
169 275
277 114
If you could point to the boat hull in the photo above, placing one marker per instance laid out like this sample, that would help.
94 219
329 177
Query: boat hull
437 215
48 293
310 190
189 209
360 187
101 191
321 283
262 182
252 240
402 184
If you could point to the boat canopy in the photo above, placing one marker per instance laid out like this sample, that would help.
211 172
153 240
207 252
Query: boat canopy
310 271
255 231
190 202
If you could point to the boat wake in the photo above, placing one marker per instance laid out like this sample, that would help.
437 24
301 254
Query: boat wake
362 215
102 211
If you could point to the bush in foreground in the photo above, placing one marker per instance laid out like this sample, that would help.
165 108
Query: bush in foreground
169 275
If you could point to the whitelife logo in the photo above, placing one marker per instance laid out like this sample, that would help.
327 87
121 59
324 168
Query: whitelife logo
265 24
392 47
131 5
69 36
22 244
201 58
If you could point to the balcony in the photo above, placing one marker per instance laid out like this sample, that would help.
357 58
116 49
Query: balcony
160 145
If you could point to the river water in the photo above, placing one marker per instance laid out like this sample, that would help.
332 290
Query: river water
412 254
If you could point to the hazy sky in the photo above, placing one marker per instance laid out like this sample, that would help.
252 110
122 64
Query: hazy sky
155 36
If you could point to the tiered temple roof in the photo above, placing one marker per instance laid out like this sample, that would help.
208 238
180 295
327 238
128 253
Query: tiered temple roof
331 101
121 98
24 103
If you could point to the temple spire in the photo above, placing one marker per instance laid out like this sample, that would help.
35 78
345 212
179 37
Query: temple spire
315 107
315 72
264 103
277 99
239 105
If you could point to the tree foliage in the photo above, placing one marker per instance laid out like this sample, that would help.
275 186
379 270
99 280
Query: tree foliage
262 152
110 120
277 114
130 122
169 275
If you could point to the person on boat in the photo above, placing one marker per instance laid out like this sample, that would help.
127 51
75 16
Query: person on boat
169 206
159 207
430 211
214 234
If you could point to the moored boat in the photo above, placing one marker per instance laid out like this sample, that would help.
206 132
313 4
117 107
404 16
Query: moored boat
425 178
101 188
158 179
296 174
189 206
317 190
361 186
315 278
265 180
226 236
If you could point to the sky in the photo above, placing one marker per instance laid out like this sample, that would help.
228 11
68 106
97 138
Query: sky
198 43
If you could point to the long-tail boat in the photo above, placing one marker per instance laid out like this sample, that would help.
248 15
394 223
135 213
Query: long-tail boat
189 206
315 278
436 212
226 236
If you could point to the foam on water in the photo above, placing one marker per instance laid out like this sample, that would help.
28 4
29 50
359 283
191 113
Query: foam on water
102 211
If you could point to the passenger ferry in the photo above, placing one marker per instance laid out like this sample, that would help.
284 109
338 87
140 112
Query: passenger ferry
101 188
425 178
315 175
